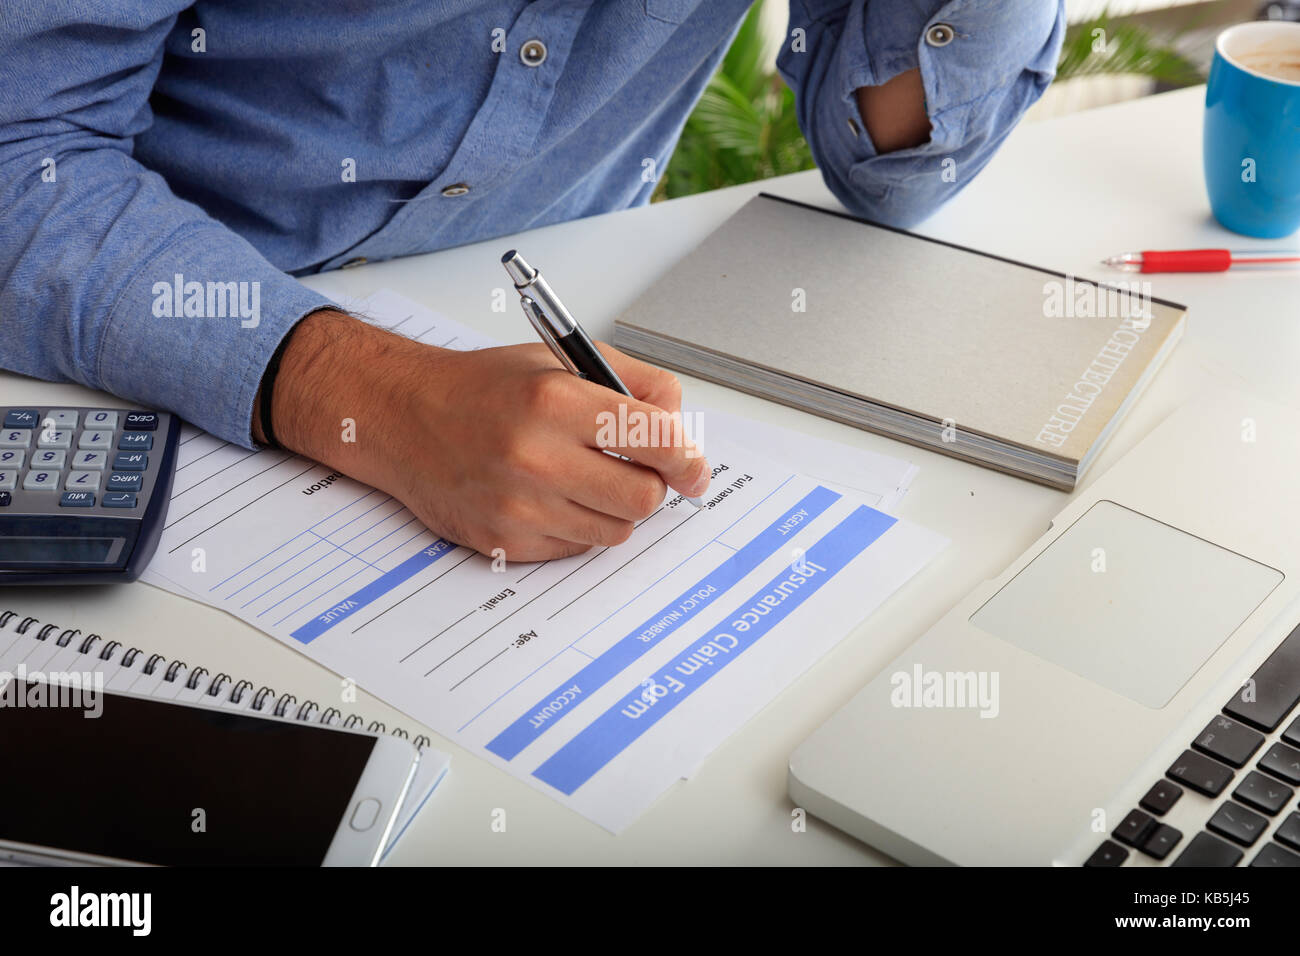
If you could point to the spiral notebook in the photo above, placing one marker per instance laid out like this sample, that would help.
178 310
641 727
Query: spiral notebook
28 643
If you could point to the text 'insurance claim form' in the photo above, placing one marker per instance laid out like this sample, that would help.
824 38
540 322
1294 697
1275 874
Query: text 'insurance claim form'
600 679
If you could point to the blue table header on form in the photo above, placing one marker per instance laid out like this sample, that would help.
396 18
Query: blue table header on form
614 730
673 615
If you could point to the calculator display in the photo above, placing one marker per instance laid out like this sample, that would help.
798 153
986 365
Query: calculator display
42 550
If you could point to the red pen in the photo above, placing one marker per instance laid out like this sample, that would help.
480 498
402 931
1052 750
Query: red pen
1203 260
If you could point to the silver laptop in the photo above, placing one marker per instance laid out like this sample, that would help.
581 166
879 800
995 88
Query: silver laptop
1123 695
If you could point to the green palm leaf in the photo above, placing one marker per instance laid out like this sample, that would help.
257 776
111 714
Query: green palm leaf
743 128
1129 49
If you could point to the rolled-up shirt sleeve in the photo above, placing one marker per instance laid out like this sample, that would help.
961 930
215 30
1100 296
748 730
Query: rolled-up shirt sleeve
94 247
980 75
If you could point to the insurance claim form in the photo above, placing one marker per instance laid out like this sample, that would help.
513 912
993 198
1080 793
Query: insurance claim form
599 679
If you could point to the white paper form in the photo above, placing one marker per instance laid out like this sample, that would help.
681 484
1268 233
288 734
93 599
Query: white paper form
879 480
599 679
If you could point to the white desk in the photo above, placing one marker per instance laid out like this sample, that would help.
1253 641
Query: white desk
1062 194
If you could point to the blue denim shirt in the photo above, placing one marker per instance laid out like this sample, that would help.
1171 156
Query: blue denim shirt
166 167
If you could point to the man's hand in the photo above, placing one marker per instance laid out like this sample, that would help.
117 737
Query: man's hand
495 448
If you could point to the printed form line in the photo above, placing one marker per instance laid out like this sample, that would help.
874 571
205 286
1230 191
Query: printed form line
241 507
521 607
292 539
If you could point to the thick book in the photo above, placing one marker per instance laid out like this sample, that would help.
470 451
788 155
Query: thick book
1005 364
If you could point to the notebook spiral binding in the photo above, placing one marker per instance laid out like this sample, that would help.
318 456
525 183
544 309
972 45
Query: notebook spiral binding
264 700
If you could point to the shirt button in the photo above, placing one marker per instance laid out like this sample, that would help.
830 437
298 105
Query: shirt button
353 263
455 189
940 35
533 53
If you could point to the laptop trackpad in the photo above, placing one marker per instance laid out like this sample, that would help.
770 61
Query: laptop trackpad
1127 602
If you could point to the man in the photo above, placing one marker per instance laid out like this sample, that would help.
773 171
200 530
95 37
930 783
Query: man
226 143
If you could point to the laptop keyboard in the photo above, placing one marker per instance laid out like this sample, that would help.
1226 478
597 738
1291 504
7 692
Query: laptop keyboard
1240 759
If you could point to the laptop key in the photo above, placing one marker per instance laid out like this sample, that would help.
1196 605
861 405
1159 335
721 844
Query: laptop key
1282 761
1237 823
1232 742
1289 831
1200 773
1292 734
1133 829
1274 855
1206 850
1109 853
1161 797
1263 793
1161 842
1273 689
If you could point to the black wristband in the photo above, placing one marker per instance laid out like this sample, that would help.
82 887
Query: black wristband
268 388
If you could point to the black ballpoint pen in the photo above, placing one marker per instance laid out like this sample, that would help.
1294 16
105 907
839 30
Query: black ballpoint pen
561 331
558 329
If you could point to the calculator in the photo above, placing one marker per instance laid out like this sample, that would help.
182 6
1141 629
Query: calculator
83 492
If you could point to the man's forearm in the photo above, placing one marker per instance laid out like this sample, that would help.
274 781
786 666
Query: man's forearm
894 112
338 390
497 449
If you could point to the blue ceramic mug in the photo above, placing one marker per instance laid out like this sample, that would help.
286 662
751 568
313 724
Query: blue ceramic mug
1252 129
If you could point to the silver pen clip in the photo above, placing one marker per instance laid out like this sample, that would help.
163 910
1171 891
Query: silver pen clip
538 321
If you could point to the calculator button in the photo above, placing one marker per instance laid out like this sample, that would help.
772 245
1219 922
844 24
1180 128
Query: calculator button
89 459
22 418
61 418
130 461
49 458
8 480
12 458
77 499
82 481
119 481
118 499
41 481
16 438
141 421
101 419
135 441
96 439
5 498
54 438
